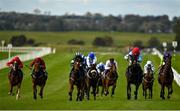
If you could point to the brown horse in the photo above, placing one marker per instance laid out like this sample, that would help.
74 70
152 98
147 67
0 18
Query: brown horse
38 79
134 75
166 78
92 80
15 79
147 83
77 79
110 80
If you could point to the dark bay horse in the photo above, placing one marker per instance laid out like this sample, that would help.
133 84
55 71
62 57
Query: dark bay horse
134 75
92 81
147 83
15 79
110 80
166 78
76 78
38 79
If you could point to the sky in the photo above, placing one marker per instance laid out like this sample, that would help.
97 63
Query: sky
106 7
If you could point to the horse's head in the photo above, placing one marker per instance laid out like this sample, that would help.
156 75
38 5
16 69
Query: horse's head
149 69
113 68
15 66
37 67
93 66
169 60
149 73
76 65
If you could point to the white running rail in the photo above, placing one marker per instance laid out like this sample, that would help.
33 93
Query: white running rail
29 53
176 74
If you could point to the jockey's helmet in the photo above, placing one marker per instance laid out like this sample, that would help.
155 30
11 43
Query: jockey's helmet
111 60
136 51
91 55
149 62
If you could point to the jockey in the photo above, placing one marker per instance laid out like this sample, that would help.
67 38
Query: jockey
20 64
91 59
108 65
100 67
134 54
165 56
82 58
149 63
164 60
42 65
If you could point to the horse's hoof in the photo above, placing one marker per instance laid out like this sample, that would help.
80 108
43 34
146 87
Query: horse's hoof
17 97
112 96
70 99
9 93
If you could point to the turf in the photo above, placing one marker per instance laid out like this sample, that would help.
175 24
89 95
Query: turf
56 90
120 38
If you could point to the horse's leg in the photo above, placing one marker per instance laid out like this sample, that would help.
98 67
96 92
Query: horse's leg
102 91
106 87
162 92
11 89
70 90
88 91
97 87
145 93
136 92
128 91
151 91
41 91
94 92
103 86
18 91
78 93
34 91
113 89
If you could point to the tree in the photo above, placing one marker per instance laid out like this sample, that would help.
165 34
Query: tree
37 11
176 29
56 25
103 41
76 42
19 40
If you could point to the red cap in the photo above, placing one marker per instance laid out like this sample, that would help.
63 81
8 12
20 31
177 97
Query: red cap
136 51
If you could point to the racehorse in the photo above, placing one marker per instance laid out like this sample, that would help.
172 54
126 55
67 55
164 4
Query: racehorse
15 79
76 78
110 80
134 75
38 79
92 80
147 83
166 78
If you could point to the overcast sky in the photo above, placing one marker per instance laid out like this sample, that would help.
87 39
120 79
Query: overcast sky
106 7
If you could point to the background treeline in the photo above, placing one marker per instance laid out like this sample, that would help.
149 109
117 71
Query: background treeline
87 22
